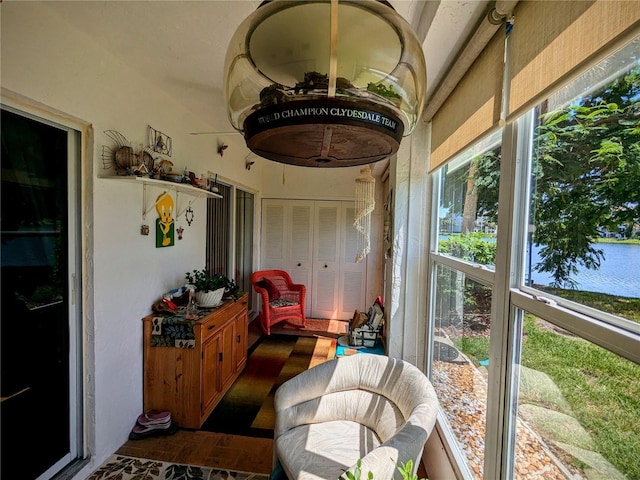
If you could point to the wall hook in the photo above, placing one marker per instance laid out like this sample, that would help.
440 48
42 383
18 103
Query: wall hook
221 148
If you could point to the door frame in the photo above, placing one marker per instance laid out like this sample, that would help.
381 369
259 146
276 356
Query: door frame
80 212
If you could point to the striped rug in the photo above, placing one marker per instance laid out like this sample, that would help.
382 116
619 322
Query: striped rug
247 408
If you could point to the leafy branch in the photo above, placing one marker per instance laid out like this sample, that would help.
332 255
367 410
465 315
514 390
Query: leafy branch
405 469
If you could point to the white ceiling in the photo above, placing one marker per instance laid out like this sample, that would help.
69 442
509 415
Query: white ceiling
181 45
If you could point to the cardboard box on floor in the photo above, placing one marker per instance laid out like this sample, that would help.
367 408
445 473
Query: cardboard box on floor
358 320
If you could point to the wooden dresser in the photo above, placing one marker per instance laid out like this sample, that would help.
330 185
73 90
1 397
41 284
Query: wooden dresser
189 382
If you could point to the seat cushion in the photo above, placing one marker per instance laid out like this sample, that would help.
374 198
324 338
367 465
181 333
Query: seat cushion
282 302
324 450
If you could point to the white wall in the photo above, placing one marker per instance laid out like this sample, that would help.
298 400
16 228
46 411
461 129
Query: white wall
50 62
280 181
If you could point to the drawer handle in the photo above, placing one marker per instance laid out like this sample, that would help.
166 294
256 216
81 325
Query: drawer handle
238 338
211 327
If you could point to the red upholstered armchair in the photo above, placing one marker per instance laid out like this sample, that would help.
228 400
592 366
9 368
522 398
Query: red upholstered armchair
282 300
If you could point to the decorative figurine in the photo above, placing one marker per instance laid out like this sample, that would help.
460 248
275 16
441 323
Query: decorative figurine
164 223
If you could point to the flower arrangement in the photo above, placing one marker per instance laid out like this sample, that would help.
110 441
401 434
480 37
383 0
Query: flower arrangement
210 289
204 281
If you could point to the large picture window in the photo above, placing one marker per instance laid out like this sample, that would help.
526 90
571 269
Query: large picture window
244 242
535 303
578 401
468 203
585 189
460 356
583 257
464 255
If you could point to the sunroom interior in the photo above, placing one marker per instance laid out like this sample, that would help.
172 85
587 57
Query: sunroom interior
485 219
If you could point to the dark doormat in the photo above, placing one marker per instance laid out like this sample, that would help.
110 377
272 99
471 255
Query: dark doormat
247 408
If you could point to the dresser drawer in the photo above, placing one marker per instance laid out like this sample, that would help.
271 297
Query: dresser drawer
239 306
210 326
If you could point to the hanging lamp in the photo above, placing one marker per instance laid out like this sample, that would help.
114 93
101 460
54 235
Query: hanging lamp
324 83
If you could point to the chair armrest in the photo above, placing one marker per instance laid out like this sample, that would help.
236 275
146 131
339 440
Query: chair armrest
264 296
294 292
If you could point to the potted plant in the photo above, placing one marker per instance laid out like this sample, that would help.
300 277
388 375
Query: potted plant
209 288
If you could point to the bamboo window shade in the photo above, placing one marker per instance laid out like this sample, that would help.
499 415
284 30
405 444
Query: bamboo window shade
473 108
550 44
553 42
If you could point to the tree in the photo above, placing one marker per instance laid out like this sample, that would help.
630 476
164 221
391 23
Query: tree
472 191
470 200
587 176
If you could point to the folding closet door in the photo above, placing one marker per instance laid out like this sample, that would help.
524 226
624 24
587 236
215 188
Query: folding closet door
353 276
316 243
326 260
287 240
300 247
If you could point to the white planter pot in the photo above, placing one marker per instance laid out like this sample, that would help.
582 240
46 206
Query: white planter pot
210 298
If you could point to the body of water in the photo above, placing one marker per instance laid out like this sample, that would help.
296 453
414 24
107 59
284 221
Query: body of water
619 272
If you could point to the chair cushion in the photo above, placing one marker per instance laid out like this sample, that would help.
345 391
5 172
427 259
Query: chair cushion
324 450
282 302
270 287
370 409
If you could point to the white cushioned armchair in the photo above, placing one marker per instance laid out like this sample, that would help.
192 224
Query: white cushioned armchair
374 408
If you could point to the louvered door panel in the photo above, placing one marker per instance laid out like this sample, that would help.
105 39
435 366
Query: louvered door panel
325 302
301 247
315 242
325 294
352 275
274 244
352 291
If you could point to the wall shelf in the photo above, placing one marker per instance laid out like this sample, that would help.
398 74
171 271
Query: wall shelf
175 187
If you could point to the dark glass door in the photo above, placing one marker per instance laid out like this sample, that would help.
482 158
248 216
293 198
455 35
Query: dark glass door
244 242
35 388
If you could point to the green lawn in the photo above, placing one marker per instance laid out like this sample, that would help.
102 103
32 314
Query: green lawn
629 241
625 307
601 388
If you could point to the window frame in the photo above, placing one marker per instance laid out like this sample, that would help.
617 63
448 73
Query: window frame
510 297
486 276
